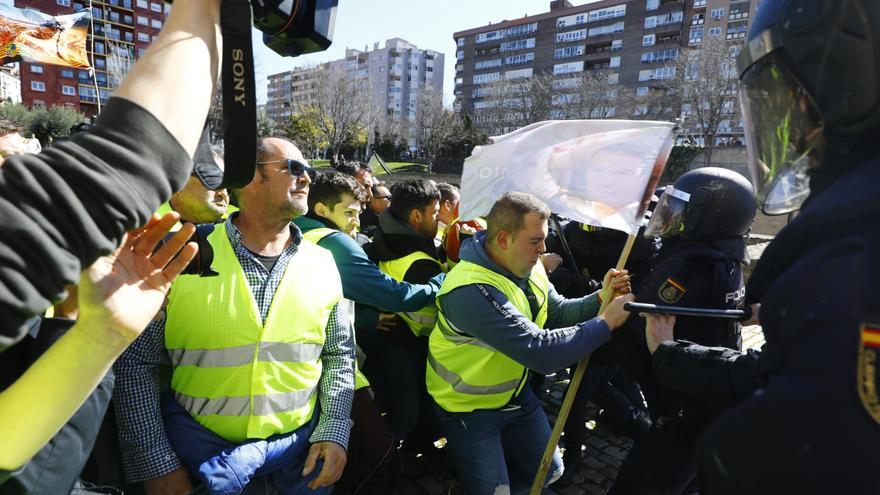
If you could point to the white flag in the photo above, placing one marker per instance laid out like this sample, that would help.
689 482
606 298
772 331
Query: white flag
599 172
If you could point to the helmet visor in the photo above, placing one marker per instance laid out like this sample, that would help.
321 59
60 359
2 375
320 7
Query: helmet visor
668 218
783 131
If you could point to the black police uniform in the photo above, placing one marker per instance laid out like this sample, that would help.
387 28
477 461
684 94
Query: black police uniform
691 273
813 426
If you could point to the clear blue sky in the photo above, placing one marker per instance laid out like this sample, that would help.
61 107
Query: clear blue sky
425 23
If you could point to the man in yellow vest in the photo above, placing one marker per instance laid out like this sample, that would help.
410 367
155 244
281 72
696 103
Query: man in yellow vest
263 359
403 247
499 318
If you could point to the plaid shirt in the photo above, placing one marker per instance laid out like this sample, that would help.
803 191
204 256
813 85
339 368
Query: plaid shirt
146 451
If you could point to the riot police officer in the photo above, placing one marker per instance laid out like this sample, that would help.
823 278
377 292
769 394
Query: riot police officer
808 419
702 220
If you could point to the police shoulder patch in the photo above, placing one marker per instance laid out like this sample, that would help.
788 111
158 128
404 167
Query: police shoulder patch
671 291
868 373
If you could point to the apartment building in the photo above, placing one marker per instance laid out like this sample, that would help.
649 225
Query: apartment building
123 29
631 45
395 74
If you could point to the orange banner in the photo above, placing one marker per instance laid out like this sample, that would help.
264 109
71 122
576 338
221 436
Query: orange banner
31 36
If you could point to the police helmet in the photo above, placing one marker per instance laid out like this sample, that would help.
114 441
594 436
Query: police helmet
708 203
810 78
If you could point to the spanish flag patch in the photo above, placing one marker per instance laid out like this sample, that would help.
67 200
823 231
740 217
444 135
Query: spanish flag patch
868 370
671 291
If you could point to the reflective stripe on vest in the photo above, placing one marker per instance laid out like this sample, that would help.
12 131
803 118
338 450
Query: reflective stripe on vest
420 322
236 375
315 236
464 373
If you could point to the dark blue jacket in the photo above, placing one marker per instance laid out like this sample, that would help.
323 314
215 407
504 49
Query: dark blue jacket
571 334
363 282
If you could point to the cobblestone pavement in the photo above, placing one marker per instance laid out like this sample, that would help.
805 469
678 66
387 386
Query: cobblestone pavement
604 451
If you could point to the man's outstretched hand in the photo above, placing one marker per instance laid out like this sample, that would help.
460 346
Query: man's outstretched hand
121 292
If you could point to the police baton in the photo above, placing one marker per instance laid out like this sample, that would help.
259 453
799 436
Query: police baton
659 309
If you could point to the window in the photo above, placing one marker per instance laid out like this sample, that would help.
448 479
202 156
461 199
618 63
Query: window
655 74
518 45
663 19
569 51
521 29
460 42
519 59
652 5
155 7
615 62
39 103
66 73
660 56
36 69
143 21
127 19
458 81
607 13
696 35
459 55
714 32
143 4
485 78
568 68
68 90
38 86
642 90
492 36
129 36
63 3
516 74
717 13
609 29
698 19
699 3
156 24
144 37
649 39
616 45
100 63
99 47
571 36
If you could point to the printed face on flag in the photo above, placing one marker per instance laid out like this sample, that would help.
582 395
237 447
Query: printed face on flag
594 171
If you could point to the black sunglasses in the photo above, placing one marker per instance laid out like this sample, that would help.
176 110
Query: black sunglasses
296 168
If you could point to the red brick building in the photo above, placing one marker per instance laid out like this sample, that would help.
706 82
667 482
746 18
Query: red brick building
122 31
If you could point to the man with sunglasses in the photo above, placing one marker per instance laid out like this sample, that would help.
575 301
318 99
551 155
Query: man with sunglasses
379 201
262 356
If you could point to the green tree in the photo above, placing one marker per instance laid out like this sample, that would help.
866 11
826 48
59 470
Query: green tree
48 123
304 129
17 113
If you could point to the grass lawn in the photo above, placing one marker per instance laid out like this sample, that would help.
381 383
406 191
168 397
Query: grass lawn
394 166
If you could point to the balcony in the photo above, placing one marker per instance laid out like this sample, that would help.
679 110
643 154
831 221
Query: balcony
700 4
119 4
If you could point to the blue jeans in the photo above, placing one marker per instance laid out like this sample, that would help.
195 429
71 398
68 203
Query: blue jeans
499 449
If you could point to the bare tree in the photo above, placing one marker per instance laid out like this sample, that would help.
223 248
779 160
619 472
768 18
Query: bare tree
588 95
509 104
709 88
120 59
435 124
341 107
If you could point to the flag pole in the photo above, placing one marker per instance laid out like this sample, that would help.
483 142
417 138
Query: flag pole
573 385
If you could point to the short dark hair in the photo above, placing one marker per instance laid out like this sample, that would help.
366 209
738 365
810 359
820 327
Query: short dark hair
412 194
374 189
350 167
329 187
509 211
448 192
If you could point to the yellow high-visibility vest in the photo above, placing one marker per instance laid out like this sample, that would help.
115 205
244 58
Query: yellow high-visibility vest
235 375
315 236
464 373
420 322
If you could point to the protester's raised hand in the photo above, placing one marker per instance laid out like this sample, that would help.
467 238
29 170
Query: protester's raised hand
122 291
658 329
